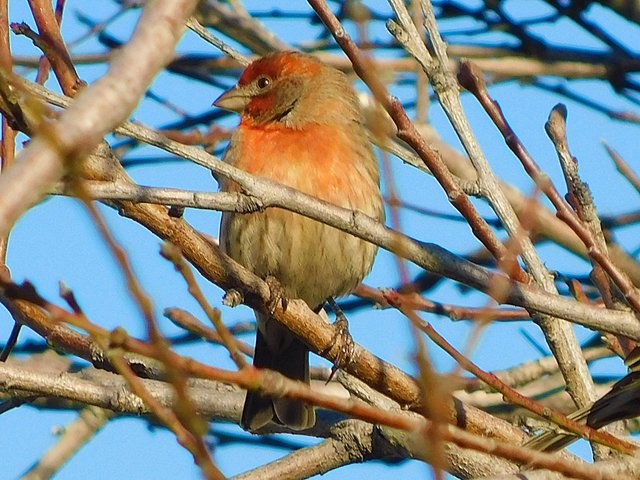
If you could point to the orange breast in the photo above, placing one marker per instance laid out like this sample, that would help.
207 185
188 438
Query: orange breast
319 160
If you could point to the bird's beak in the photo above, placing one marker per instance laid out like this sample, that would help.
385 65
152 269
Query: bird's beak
233 100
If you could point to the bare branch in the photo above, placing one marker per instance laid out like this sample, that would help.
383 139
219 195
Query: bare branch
97 110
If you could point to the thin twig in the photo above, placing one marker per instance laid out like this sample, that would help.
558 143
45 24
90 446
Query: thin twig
225 48
185 320
623 167
173 254
11 341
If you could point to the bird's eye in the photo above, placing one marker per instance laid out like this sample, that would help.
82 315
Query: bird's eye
263 82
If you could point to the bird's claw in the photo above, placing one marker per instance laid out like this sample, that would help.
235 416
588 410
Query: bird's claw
232 298
277 295
343 338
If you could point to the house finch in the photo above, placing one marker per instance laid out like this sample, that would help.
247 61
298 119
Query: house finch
300 126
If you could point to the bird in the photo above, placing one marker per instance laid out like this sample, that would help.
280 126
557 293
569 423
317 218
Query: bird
621 402
301 126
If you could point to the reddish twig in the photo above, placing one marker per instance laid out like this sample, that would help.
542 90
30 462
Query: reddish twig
188 426
415 301
509 393
188 435
53 46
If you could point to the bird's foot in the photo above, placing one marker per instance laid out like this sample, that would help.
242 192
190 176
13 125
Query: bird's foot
342 337
277 295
